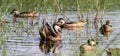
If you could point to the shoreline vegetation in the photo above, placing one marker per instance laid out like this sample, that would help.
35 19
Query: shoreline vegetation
60 5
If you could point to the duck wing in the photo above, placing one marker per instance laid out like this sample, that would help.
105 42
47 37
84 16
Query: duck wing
49 30
102 29
25 12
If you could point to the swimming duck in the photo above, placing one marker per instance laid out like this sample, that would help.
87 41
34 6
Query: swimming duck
47 31
88 48
71 25
106 29
108 51
112 51
49 38
3 23
17 13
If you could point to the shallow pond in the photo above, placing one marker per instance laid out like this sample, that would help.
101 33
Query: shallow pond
22 39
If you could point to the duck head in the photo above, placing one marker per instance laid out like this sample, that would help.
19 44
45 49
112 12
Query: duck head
91 42
15 11
61 21
44 21
107 22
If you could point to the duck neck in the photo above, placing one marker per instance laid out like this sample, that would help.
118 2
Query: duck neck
57 29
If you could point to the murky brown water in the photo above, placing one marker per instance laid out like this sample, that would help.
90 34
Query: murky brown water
23 39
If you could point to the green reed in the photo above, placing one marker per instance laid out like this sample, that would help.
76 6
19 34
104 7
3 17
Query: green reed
4 27
4 37
53 5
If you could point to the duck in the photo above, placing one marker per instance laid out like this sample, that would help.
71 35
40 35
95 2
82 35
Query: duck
106 29
49 38
108 51
88 47
112 51
46 31
17 13
71 25
3 23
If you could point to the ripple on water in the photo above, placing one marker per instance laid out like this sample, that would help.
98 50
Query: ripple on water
27 43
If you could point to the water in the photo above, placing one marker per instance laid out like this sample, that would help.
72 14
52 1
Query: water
22 39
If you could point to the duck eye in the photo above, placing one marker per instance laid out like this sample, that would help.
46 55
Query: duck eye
62 21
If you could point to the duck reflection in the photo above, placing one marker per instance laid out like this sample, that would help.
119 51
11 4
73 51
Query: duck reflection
50 39
31 20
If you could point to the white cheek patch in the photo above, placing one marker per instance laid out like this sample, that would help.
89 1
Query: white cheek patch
17 12
92 43
56 27
62 21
